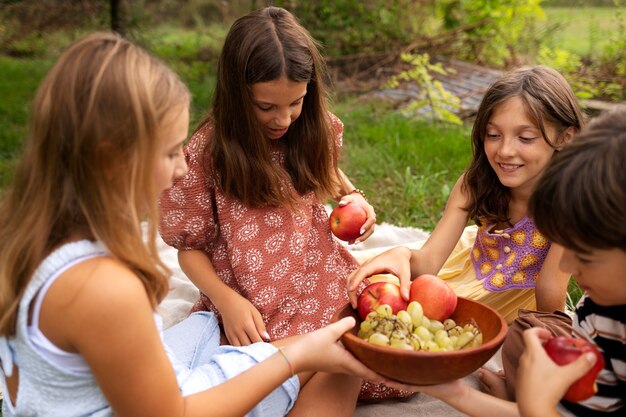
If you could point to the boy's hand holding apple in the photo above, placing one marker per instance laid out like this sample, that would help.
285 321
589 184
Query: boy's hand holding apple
542 383
564 350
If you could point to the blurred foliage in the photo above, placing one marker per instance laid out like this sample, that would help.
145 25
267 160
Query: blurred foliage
500 32
434 102
362 26
497 33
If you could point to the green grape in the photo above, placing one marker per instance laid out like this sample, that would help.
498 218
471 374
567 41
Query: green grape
399 334
426 322
478 340
416 343
400 344
439 334
431 346
445 343
386 327
464 339
379 339
449 324
372 315
469 328
455 331
364 334
435 325
368 325
384 310
416 312
405 318
423 333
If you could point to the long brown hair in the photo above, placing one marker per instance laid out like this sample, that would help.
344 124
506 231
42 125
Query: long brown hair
548 98
263 46
88 164
580 200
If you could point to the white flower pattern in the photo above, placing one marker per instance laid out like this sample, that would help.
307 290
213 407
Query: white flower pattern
285 261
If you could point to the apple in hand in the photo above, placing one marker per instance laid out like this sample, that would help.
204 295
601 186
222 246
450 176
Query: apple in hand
380 293
563 350
346 221
437 298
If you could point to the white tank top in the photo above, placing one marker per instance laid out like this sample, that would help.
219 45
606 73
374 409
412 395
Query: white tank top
68 361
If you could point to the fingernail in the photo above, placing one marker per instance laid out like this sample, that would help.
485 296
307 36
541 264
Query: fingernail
266 336
591 357
362 231
342 203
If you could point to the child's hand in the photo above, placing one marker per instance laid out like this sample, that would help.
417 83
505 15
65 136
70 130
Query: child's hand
242 322
395 261
370 223
320 351
541 382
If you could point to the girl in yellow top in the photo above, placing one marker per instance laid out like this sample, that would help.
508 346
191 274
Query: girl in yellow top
524 118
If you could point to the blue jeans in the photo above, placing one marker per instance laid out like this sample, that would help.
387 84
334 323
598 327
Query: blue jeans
193 346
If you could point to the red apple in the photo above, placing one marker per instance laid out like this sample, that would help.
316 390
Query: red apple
563 350
346 221
380 293
437 298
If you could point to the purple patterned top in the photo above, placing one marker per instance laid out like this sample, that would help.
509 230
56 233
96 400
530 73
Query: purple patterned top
510 258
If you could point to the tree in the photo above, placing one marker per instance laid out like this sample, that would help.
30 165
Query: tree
119 16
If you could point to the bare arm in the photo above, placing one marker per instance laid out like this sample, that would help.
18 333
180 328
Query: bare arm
242 322
109 321
551 286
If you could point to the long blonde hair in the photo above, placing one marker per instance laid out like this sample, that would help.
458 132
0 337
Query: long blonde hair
87 167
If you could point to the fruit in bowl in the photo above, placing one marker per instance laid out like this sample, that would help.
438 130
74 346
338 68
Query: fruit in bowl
424 367
563 350
378 294
435 295
346 221
410 329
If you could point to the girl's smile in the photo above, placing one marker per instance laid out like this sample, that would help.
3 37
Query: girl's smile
515 147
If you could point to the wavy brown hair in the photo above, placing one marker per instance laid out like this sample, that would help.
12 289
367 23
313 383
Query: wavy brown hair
263 46
548 99
88 164
580 200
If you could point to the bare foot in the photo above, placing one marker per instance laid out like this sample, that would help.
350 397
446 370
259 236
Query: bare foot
493 383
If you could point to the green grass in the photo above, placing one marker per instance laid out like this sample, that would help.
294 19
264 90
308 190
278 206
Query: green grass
18 83
407 167
585 30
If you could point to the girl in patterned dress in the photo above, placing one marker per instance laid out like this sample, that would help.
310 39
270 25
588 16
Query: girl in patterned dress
525 117
248 219
79 285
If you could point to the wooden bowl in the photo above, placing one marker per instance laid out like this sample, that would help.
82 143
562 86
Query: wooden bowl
430 368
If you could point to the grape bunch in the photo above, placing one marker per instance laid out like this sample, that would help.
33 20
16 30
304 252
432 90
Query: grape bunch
410 329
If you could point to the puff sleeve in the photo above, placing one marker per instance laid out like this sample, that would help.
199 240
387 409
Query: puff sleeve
187 219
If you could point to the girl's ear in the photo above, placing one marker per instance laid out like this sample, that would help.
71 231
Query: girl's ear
566 137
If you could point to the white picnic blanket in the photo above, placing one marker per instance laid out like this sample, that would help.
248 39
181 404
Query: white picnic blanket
183 294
